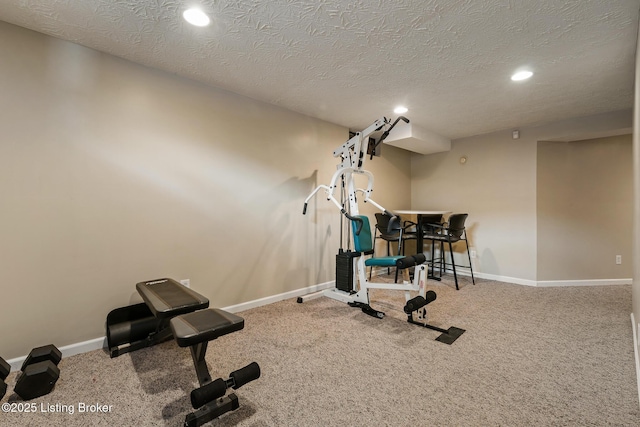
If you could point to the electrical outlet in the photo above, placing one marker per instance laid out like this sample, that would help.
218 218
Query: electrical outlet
472 253
618 259
186 282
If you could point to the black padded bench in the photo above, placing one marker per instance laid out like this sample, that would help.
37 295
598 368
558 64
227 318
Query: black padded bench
195 330
167 298
204 325
143 325
173 310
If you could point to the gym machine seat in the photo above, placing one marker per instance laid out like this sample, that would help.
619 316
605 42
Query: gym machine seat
172 310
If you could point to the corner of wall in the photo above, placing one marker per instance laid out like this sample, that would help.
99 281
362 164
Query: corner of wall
636 350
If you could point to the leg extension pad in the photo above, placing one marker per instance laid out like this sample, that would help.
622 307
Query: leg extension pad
216 389
419 302
448 336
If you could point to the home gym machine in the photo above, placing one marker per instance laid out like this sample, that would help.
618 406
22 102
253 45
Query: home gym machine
173 310
354 288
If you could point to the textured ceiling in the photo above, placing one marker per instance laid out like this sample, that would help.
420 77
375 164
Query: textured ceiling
351 62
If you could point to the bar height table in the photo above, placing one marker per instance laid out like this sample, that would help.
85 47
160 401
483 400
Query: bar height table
419 237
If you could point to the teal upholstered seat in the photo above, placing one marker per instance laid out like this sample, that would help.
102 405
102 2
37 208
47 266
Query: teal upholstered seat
363 242
385 261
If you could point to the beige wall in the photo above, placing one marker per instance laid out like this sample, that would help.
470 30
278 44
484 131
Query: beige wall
584 205
497 188
112 173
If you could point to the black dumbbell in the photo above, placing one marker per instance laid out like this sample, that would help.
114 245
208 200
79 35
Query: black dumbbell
39 372
5 368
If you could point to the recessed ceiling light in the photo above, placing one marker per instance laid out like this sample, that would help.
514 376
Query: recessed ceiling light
400 109
196 17
521 75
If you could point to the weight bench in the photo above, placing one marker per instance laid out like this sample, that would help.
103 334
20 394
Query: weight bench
172 310
143 325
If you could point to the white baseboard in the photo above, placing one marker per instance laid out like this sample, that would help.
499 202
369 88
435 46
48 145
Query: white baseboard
589 282
545 283
497 278
101 342
280 297
461 271
636 351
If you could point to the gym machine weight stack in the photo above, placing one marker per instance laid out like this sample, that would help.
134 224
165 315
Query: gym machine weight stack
344 270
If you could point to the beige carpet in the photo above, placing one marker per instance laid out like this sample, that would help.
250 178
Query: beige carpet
529 357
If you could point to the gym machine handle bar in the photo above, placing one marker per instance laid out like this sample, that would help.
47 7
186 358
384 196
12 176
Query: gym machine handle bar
356 219
386 134
345 213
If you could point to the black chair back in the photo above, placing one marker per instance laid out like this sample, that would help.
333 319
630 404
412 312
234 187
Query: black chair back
456 225
431 219
388 230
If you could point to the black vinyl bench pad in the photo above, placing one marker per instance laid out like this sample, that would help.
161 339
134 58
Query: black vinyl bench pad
204 325
167 298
